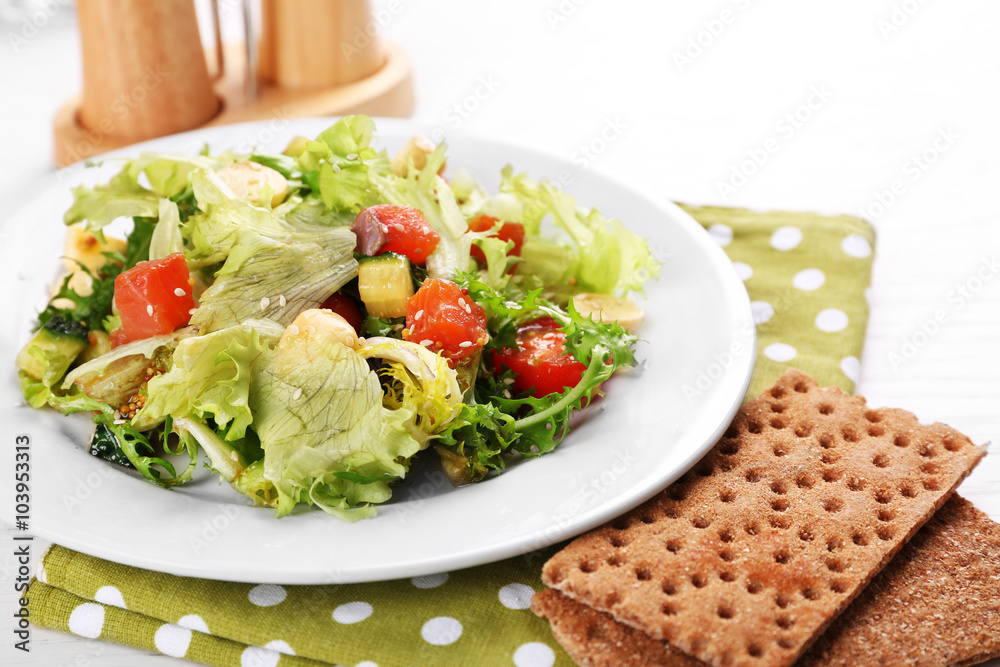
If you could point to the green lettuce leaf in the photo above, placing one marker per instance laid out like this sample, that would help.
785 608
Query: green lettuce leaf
338 163
121 197
210 377
607 257
147 347
318 411
166 238
419 381
169 174
276 280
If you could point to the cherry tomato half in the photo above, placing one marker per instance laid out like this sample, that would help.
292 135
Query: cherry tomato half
509 231
153 298
442 317
541 364
400 229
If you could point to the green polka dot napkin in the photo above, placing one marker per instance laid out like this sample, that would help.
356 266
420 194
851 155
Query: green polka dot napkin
806 275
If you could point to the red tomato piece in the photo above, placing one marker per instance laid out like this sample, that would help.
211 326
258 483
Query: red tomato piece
400 229
346 307
509 231
153 298
443 318
541 364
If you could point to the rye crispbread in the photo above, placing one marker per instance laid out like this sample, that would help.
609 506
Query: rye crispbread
747 558
936 604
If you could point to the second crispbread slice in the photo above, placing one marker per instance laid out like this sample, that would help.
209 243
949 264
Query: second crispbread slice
934 605
747 558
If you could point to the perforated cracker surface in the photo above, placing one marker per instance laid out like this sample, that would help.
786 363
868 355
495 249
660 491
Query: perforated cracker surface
936 604
748 557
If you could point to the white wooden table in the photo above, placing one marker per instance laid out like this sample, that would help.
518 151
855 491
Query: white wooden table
886 108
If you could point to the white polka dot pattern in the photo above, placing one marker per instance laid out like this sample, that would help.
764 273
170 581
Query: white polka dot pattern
172 640
516 596
267 595
441 631
534 654
87 620
352 612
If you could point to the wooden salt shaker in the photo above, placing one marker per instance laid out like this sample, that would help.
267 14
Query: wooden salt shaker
144 69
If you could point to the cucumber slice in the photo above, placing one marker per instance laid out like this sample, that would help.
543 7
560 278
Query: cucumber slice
384 284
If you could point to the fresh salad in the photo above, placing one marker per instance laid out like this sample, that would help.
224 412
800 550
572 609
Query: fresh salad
311 321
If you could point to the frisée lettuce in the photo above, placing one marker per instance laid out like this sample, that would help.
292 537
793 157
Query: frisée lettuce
310 322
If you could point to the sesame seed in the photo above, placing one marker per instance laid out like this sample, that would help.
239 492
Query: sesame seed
297 395
466 343
293 329
399 228
467 308
119 422
281 300
397 327
417 317
508 381
191 312
179 292
149 310
264 303
311 330
351 156
234 455
336 168
289 239
506 393
427 342
513 305
461 302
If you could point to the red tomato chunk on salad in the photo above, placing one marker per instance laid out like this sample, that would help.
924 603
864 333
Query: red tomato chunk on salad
442 317
400 229
541 364
153 298
509 231
347 308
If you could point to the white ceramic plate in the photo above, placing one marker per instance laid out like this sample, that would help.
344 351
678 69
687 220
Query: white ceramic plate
653 425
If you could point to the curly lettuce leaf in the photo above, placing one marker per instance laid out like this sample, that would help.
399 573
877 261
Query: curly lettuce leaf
607 257
338 164
210 377
120 197
318 411
417 380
